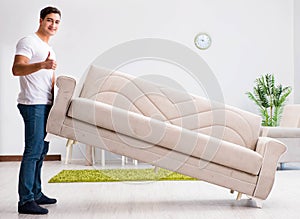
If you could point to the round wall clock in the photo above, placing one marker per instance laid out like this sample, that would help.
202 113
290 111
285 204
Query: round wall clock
202 41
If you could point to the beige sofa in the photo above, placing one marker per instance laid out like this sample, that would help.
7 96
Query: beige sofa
287 132
167 128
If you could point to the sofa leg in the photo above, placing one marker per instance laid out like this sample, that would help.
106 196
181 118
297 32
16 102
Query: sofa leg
69 146
231 191
239 196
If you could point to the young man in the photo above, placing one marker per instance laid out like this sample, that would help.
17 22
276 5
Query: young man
35 64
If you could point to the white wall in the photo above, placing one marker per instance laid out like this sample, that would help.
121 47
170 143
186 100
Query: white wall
250 37
297 51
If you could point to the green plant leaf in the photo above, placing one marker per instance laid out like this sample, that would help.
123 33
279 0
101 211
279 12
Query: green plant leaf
269 98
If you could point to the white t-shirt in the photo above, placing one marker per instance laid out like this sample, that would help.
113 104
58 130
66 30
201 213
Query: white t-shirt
35 87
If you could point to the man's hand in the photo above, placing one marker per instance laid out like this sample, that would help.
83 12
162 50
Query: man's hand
49 63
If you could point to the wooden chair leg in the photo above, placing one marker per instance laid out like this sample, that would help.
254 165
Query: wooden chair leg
89 161
123 160
102 157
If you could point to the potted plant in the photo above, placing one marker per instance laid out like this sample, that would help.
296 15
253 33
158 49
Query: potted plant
269 98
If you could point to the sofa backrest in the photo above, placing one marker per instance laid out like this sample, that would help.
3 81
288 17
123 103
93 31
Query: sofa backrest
290 117
169 105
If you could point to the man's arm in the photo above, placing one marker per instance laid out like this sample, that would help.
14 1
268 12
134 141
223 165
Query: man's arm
53 83
22 67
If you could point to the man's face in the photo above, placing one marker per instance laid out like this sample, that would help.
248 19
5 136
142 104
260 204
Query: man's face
49 25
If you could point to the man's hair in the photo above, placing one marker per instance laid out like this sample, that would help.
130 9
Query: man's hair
49 10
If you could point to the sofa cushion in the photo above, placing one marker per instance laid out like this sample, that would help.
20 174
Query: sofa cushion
165 134
178 108
280 132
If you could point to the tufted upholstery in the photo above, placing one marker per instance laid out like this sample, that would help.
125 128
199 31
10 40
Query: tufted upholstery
178 108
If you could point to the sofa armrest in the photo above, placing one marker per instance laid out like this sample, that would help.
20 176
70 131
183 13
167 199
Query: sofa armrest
271 150
280 132
66 86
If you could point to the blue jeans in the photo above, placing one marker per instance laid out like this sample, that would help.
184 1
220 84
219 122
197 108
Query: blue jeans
35 119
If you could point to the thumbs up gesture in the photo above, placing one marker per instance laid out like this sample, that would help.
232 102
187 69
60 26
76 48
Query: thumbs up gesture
49 63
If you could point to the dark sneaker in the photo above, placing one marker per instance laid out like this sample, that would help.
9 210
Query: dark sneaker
44 200
31 207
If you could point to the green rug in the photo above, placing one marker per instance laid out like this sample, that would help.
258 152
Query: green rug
116 175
